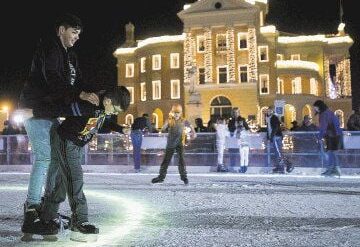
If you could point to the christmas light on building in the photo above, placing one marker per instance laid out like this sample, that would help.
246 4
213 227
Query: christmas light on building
231 53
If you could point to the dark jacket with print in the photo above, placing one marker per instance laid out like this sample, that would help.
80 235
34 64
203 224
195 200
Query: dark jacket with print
87 121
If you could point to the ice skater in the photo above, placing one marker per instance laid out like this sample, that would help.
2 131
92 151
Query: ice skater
275 137
176 126
243 135
222 131
65 173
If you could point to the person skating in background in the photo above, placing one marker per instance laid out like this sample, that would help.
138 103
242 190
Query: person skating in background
176 127
307 124
222 132
329 137
353 123
236 124
275 136
140 125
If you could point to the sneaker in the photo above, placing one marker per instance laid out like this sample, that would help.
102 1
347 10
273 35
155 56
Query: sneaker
186 181
222 168
289 167
157 180
243 169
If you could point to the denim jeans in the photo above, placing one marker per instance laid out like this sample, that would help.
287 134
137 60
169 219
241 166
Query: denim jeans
330 157
136 139
276 146
38 131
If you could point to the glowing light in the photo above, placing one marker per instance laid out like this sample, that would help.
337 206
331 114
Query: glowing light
132 213
268 29
208 56
296 64
253 72
341 27
315 38
150 41
189 57
253 2
230 54
186 6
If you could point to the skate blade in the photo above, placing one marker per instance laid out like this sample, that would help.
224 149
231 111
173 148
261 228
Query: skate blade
29 237
81 237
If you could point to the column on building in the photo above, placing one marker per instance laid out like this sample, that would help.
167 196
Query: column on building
253 66
208 56
230 53
189 56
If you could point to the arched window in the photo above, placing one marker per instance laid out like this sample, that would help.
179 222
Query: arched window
263 116
155 120
220 107
129 119
340 114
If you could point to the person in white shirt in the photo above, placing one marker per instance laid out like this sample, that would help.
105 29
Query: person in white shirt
222 132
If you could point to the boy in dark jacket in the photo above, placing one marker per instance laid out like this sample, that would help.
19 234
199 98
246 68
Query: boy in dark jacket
67 142
331 133
275 136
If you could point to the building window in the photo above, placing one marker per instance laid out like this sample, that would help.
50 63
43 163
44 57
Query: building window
263 112
220 107
243 73
155 120
222 74
296 86
156 62
143 91
221 43
279 57
263 54
340 116
200 41
143 64
314 87
129 119
131 91
156 90
201 75
129 70
175 89
261 18
264 84
174 60
242 37
280 86
295 56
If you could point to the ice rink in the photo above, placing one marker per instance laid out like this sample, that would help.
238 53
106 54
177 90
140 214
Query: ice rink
213 210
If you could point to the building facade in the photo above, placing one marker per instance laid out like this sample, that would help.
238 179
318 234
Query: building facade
228 57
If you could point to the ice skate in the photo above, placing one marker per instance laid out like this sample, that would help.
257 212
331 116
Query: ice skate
84 232
33 226
157 180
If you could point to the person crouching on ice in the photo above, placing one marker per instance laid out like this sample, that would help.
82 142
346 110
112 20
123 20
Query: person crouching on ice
176 126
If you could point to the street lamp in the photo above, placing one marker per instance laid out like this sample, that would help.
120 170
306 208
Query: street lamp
6 109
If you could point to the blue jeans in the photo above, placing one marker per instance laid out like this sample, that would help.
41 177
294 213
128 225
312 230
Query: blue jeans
276 146
136 139
330 157
38 131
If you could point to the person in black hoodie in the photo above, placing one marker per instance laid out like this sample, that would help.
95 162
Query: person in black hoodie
275 136
54 81
67 143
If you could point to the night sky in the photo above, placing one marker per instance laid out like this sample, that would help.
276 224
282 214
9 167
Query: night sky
22 23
